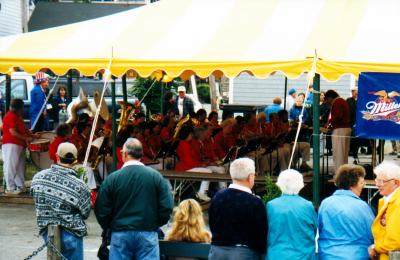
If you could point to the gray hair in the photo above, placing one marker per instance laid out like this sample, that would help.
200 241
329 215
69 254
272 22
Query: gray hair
241 168
290 182
388 169
133 148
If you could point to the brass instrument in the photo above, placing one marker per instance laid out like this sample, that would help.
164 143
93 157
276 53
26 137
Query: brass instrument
126 110
179 126
185 121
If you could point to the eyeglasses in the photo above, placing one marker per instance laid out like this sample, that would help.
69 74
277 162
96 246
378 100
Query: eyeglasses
382 182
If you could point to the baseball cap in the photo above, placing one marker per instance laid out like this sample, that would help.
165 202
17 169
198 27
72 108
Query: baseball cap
291 91
181 88
67 151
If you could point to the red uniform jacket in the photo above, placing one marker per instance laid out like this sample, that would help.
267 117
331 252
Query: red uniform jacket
222 144
54 146
187 157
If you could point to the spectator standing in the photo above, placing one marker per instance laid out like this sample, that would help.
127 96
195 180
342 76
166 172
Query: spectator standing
292 221
133 203
188 224
60 104
15 139
344 220
38 99
183 104
352 102
386 227
168 103
295 111
339 120
274 108
61 198
291 99
237 218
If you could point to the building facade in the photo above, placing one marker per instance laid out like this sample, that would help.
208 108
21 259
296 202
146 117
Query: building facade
14 16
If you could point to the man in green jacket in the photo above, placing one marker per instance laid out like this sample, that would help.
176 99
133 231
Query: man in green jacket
133 203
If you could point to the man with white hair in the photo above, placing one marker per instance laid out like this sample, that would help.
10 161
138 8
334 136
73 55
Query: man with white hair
292 220
237 218
183 104
133 203
386 227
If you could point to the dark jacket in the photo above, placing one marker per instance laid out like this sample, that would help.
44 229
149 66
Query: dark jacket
188 107
134 198
237 217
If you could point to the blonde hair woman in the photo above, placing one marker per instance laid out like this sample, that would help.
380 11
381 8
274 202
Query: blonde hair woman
188 224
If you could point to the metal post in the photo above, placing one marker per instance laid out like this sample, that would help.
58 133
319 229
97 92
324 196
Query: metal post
69 86
124 90
114 126
381 150
316 140
285 95
8 92
54 236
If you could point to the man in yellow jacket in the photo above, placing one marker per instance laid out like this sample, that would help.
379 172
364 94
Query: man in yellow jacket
386 227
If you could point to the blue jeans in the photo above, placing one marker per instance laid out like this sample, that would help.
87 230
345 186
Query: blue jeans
131 244
71 245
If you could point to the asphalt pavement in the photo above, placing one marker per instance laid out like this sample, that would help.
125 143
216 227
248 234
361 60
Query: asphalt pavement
19 233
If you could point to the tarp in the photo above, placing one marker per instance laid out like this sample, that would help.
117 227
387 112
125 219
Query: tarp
378 106
221 36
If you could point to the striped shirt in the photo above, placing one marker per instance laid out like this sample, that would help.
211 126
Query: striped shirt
62 199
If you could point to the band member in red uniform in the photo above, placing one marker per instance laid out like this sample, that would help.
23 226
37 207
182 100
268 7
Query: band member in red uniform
188 159
224 140
63 132
250 129
155 139
80 138
167 131
15 139
213 119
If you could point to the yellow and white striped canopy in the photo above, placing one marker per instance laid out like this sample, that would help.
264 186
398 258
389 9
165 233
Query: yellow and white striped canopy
224 36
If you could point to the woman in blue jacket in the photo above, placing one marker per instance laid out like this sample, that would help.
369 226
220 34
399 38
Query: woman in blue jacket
292 221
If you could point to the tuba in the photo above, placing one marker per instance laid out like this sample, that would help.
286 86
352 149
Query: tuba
126 110
185 121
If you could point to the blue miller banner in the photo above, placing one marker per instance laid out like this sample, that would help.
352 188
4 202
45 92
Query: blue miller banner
378 106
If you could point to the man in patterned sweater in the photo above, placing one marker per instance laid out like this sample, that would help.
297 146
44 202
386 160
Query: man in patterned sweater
61 198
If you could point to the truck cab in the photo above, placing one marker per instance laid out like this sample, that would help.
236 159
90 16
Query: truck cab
21 86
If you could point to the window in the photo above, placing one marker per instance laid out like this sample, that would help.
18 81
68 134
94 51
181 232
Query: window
18 89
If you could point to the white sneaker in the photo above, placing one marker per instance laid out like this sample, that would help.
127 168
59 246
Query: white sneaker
12 192
202 196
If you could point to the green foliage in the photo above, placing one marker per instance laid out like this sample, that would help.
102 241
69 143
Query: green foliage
203 90
272 190
154 97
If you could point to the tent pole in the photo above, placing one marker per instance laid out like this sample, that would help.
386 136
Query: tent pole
114 126
316 140
285 95
69 86
124 90
8 92
163 85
